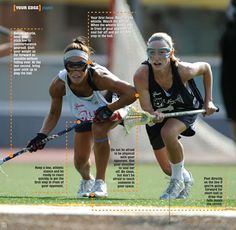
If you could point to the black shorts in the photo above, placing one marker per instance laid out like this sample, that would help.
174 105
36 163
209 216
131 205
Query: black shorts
84 127
87 126
154 132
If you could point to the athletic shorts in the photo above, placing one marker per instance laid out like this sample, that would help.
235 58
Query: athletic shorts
84 127
154 132
87 126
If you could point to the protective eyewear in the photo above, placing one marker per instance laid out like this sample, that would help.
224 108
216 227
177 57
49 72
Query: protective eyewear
72 66
163 52
79 65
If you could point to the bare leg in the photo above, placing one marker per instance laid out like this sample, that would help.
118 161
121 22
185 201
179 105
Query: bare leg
101 147
162 158
82 150
181 180
170 133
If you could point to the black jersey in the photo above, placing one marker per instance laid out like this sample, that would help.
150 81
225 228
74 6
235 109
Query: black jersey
179 97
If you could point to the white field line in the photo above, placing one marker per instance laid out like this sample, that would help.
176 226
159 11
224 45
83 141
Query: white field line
115 210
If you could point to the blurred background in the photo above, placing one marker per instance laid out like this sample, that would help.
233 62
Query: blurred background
195 25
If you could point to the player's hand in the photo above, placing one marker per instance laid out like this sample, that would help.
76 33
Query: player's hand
36 142
102 114
159 117
210 108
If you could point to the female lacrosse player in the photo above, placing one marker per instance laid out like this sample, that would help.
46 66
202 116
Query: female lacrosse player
165 84
83 83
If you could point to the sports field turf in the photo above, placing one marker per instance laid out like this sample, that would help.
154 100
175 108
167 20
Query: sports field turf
19 187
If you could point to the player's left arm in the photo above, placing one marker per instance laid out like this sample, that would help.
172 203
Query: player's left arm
105 80
191 70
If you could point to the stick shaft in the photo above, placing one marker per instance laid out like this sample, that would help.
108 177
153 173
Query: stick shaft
4 30
173 114
191 112
167 115
44 141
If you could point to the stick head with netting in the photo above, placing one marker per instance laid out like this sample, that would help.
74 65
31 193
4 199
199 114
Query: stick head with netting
135 118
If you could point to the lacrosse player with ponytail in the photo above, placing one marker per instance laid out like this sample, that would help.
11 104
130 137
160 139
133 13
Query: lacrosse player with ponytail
165 84
88 88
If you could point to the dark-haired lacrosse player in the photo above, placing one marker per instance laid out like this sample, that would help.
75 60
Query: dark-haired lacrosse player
83 83
165 84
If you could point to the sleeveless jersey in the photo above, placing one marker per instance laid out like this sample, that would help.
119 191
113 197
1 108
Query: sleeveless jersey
179 97
83 108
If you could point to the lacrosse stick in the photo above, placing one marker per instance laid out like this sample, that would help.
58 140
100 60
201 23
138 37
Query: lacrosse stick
44 141
116 117
4 30
135 117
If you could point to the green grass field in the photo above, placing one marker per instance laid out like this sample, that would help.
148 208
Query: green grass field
19 187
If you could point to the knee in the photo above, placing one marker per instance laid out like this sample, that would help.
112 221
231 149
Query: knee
99 130
80 160
82 166
168 135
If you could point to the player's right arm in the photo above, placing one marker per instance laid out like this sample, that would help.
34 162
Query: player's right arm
56 91
141 86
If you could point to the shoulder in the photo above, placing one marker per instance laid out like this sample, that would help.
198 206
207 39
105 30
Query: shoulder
189 70
141 75
102 72
103 77
57 87
184 67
